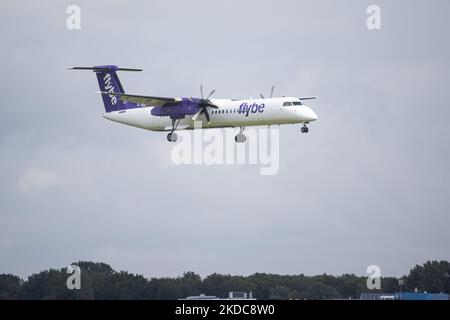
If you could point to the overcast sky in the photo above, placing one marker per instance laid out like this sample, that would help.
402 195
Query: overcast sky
368 185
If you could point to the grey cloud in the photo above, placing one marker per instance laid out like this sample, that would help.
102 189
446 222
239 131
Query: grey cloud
368 185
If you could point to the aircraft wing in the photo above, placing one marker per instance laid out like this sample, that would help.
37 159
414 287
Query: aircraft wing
145 100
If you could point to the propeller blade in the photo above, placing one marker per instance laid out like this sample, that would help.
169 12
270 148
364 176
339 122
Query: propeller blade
210 94
208 119
271 91
209 104
195 117
204 104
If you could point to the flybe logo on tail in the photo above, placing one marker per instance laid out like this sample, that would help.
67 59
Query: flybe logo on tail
251 108
109 88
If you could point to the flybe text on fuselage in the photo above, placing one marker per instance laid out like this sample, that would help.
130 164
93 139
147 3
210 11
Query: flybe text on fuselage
251 108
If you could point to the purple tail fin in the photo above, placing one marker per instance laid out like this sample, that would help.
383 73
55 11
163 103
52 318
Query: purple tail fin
109 82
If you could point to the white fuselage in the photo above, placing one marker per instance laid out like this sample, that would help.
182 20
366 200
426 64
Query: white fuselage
230 113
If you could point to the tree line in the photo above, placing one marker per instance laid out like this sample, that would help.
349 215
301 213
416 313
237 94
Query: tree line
100 281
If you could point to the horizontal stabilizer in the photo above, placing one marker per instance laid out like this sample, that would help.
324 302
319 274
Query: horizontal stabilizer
103 68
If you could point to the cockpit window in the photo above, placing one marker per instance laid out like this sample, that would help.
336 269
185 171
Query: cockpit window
297 103
287 103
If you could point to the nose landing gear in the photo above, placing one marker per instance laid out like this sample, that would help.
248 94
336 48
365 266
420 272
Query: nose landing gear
305 129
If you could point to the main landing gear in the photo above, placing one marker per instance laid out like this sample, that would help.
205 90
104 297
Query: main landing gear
172 136
305 129
240 137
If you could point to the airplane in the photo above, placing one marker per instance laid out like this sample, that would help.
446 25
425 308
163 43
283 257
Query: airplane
179 113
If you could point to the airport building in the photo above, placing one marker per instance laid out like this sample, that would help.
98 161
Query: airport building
404 296
233 295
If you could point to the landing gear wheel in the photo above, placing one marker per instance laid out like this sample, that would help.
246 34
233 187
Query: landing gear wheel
304 129
240 138
172 137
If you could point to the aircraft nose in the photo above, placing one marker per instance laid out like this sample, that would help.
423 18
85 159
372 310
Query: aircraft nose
313 116
309 115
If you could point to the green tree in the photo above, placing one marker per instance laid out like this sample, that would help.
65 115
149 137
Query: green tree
100 281
217 284
432 276
10 287
190 284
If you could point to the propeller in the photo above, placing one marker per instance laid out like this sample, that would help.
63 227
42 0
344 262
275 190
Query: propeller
271 93
203 104
209 95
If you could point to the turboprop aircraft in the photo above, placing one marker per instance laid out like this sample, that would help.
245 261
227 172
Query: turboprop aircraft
179 113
